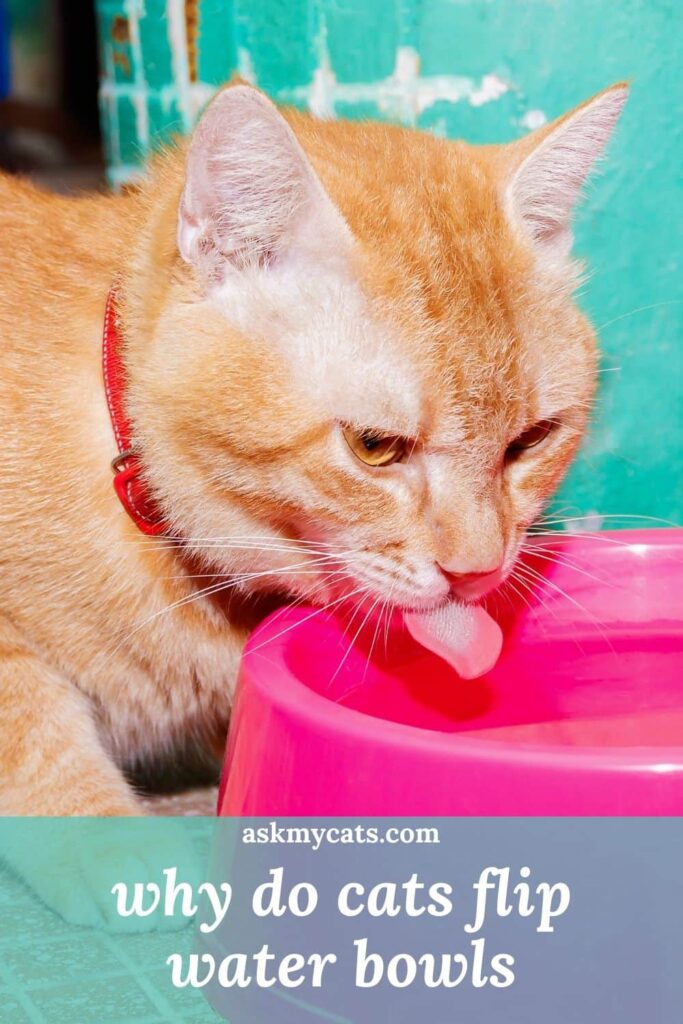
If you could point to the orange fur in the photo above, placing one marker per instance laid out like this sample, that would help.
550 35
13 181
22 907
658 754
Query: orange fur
435 315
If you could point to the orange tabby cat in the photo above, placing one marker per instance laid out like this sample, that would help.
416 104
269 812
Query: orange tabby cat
353 366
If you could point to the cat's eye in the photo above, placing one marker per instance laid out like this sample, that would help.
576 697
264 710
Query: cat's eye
530 438
374 448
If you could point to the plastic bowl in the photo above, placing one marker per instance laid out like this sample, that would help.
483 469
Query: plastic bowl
583 714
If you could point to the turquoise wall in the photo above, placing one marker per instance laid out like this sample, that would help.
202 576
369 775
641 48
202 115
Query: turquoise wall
485 70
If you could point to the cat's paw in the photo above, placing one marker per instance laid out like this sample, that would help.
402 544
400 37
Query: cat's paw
79 874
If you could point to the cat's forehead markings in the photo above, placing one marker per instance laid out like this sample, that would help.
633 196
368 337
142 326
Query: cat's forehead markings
353 364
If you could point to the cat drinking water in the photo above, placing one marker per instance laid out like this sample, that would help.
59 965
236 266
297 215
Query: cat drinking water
343 365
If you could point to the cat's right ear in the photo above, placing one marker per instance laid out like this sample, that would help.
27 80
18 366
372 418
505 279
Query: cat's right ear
551 165
251 196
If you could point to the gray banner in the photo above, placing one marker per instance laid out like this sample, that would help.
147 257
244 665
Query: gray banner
513 920
480 921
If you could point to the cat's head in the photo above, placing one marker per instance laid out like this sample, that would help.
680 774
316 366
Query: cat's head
365 340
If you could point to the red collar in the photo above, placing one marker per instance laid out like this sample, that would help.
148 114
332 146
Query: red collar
130 488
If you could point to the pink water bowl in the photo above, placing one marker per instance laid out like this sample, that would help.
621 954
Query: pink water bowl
582 715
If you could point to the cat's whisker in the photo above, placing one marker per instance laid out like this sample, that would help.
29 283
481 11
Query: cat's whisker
303 598
558 510
386 604
317 611
296 569
309 564
375 633
348 624
358 606
548 521
350 646
557 535
253 546
202 593
258 540
229 536
536 591
554 558
387 625
503 592
382 610
639 309
543 580
510 582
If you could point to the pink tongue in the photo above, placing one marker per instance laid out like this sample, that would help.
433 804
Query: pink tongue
463 635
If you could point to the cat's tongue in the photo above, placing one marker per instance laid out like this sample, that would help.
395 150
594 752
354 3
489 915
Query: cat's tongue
463 635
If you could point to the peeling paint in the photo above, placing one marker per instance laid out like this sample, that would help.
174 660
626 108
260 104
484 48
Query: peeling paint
245 66
533 119
134 10
320 98
177 37
492 88
403 96
592 522
109 102
321 93
200 94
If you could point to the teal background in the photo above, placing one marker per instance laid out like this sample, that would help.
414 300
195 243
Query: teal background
487 71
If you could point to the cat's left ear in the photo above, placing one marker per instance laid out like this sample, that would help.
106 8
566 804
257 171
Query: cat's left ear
549 168
251 196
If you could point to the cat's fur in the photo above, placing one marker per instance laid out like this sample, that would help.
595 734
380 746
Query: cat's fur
312 274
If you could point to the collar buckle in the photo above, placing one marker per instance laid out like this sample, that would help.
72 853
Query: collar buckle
118 464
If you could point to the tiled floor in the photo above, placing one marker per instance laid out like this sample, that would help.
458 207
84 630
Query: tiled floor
194 802
52 973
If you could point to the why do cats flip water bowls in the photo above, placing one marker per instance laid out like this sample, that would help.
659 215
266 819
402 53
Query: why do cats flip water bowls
582 715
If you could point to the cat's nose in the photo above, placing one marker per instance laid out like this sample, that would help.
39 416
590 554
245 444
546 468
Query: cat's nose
472 585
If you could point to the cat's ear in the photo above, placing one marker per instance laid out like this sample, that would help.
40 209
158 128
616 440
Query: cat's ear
251 196
550 168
